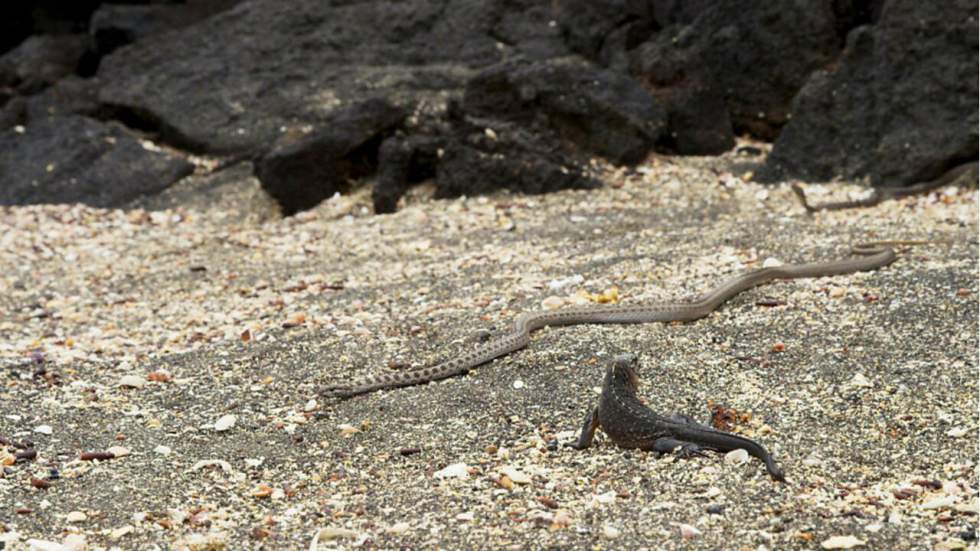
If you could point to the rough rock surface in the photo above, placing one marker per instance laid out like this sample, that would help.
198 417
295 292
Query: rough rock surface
232 82
487 155
597 111
71 95
235 78
901 105
698 120
115 25
75 159
41 60
301 171
755 51
403 161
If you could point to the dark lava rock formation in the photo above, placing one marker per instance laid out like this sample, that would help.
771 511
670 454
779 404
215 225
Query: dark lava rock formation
476 95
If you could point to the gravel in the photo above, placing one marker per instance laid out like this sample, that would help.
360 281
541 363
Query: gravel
181 351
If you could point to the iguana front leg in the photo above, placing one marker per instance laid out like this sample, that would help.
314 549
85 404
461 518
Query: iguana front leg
588 431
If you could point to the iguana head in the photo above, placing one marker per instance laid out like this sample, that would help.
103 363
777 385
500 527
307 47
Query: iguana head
625 368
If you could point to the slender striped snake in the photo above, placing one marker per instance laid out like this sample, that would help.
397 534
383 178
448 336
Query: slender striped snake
867 256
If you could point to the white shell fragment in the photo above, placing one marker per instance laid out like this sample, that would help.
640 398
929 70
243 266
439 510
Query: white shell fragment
456 470
688 531
518 476
132 381
118 451
737 457
841 542
943 502
610 532
860 381
225 422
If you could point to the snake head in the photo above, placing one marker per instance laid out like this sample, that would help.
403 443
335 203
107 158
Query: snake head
625 367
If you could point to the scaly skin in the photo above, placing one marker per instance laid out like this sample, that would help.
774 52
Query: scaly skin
630 424
869 256
965 174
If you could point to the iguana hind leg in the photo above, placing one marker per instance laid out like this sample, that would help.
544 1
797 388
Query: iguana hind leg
680 447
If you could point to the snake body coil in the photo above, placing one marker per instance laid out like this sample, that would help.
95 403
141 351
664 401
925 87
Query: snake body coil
868 256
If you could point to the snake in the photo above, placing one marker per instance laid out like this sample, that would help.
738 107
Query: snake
966 172
866 257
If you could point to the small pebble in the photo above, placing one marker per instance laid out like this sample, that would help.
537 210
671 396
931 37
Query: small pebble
74 542
225 422
504 482
972 507
347 430
610 532
132 381
118 451
860 381
552 303
76 516
558 284
943 502
331 533
40 483
456 470
162 450
603 499
43 429
518 476
688 532
398 528
44 545
262 491
561 519
737 457
548 502
118 533
715 509
841 542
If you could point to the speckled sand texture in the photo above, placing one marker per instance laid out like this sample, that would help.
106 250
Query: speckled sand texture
191 342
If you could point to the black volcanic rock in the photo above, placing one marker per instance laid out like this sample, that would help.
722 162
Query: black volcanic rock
300 171
230 83
403 161
759 53
41 60
75 159
489 155
115 25
698 119
595 110
900 106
